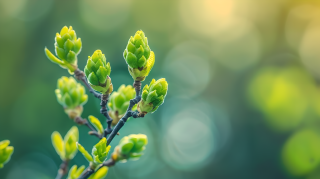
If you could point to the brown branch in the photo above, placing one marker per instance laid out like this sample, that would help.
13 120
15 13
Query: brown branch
85 122
63 169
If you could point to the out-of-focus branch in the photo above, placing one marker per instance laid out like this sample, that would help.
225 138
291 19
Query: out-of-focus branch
63 169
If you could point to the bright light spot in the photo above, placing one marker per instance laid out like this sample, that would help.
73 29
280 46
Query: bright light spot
206 17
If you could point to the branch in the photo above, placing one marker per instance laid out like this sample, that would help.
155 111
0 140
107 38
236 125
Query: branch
104 111
92 131
87 172
63 169
129 113
78 74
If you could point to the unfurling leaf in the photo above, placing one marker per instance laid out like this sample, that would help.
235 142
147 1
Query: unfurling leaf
96 123
84 152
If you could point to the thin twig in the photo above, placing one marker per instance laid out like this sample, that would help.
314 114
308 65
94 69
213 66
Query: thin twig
63 169
78 74
92 131
87 172
104 111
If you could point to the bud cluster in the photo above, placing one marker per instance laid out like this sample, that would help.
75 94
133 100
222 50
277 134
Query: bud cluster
71 95
153 96
97 71
139 57
130 147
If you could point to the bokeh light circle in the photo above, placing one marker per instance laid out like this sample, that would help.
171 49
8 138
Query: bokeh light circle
309 50
187 69
297 20
301 153
193 134
280 94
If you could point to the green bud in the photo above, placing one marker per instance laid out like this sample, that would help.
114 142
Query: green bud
66 148
75 172
139 57
84 152
70 142
67 47
153 96
96 123
5 152
100 151
71 95
119 102
130 147
101 173
97 72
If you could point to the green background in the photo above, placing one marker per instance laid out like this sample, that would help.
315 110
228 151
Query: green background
243 79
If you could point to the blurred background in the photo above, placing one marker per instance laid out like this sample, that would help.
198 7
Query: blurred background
243 99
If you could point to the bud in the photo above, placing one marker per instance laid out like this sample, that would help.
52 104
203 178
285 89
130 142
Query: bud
5 152
100 151
71 95
130 147
97 72
67 47
75 172
119 102
66 148
153 96
139 57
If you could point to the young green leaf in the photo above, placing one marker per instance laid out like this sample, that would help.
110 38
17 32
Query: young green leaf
96 123
58 144
84 152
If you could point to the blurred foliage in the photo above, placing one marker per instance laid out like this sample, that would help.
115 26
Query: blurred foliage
244 99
